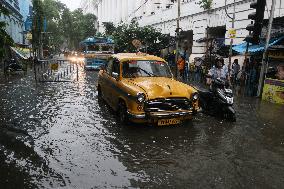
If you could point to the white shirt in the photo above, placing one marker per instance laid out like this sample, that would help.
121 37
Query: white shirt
218 72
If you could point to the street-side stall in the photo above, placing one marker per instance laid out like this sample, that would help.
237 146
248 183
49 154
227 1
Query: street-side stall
273 90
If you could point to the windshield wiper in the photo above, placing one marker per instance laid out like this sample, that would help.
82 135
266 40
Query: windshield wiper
148 73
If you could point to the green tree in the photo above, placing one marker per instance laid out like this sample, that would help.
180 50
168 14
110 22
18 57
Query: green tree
109 28
89 26
205 4
37 27
66 26
152 39
5 39
63 26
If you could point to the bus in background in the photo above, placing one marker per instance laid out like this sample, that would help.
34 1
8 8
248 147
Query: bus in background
96 51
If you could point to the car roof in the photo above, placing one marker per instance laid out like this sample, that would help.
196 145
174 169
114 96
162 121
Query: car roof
136 56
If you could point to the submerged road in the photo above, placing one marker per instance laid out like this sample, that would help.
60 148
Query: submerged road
57 135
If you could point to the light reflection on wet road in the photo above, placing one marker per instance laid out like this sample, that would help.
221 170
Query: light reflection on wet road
56 135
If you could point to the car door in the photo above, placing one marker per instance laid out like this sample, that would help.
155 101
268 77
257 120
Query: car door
105 81
114 79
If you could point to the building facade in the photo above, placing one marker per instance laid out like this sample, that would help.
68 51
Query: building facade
195 22
20 10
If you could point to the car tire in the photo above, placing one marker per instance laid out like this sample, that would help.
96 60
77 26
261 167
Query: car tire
122 114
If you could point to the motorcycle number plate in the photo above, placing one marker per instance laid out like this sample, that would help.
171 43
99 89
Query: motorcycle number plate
230 100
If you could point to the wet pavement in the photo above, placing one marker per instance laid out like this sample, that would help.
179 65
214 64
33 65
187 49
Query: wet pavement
57 135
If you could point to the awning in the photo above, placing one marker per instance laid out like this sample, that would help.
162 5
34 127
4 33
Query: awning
22 53
241 48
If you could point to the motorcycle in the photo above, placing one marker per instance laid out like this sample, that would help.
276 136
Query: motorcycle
13 66
218 100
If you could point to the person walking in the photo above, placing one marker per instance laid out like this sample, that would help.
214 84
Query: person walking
252 78
181 66
236 69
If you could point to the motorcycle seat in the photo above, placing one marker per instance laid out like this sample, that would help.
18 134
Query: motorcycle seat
204 92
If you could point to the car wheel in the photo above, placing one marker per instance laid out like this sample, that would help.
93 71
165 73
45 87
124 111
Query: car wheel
122 113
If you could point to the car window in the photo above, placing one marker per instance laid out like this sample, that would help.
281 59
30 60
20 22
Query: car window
115 67
109 66
145 68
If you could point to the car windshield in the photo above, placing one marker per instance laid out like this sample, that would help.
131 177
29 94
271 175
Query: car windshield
145 68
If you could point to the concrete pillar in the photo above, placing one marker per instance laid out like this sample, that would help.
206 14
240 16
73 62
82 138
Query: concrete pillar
120 10
127 11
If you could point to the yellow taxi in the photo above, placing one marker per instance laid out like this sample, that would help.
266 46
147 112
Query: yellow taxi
141 88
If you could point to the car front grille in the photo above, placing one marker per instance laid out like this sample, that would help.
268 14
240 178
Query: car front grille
167 104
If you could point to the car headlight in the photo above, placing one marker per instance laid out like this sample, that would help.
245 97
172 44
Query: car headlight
194 97
141 97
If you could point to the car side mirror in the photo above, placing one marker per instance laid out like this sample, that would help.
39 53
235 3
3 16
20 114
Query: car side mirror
115 75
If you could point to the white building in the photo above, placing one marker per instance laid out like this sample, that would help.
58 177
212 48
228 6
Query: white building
198 23
16 20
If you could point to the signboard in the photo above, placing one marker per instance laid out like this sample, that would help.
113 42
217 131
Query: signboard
232 33
29 36
273 91
136 43
276 54
54 66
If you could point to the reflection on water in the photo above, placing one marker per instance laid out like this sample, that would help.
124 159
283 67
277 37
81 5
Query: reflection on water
58 135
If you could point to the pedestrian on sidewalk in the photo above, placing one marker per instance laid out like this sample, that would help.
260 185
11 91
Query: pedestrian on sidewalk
191 71
236 69
181 66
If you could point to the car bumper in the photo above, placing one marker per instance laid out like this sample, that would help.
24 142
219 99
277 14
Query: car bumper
154 116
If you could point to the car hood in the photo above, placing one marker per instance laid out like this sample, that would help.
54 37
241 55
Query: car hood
162 87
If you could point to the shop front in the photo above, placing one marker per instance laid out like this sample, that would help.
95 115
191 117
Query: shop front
273 90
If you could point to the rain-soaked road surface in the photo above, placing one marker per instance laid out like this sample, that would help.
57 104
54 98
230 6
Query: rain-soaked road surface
57 135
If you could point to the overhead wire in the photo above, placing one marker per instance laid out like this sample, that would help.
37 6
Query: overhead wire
138 8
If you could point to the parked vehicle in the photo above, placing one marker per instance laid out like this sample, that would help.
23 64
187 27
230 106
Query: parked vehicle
218 101
141 88
13 66
96 51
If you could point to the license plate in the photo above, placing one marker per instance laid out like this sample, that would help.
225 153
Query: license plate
163 122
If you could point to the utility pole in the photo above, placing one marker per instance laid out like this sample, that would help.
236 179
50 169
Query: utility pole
264 62
232 40
177 36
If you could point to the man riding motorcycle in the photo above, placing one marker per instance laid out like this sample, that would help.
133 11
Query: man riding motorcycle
219 99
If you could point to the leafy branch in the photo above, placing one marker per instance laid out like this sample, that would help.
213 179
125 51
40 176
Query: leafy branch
5 39
205 4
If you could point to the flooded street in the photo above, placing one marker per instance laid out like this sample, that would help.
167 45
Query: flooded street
57 135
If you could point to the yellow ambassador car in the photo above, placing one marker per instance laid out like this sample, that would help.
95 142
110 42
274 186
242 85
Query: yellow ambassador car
141 88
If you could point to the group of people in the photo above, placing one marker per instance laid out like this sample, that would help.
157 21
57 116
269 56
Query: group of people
245 76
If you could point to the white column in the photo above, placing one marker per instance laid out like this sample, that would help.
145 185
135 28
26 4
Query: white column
120 10
126 11
117 5
105 10
102 10
109 13
114 11
100 15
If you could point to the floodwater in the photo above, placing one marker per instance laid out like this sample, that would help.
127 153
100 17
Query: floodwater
57 135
